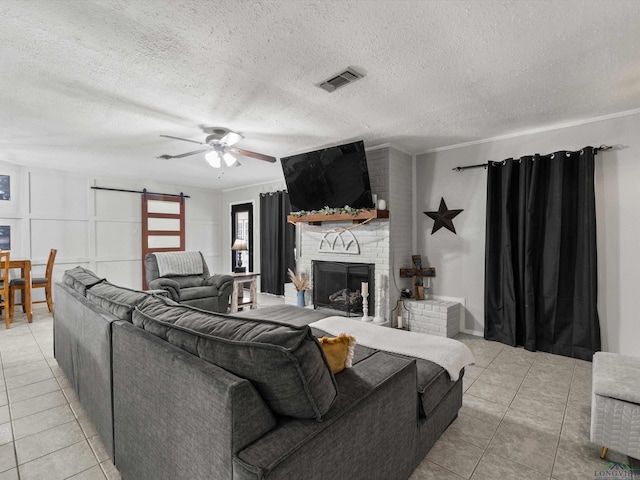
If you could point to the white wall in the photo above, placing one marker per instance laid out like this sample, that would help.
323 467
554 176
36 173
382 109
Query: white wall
459 259
93 228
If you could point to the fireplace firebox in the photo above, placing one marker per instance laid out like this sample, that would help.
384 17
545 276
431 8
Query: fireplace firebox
337 285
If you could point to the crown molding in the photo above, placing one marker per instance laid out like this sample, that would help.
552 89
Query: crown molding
557 126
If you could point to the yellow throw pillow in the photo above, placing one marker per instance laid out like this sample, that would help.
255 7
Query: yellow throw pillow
339 351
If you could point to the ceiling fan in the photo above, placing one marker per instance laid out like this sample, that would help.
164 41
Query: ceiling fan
218 144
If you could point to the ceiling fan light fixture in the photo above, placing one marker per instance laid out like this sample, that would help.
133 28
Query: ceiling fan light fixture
213 158
229 159
231 138
218 140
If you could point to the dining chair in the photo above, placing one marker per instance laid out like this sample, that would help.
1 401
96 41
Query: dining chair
36 282
4 287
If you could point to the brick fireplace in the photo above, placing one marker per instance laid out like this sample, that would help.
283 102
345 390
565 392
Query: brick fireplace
369 245
384 243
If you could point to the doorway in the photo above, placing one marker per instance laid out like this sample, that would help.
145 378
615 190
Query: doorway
242 229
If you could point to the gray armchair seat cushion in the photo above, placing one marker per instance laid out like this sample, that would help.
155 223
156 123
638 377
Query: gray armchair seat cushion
285 364
217 281
197 292
188 281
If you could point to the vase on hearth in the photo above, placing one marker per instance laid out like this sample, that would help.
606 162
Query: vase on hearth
301 298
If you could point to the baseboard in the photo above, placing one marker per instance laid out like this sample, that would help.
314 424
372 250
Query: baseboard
472 332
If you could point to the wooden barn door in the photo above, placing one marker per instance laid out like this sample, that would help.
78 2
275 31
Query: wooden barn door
162 226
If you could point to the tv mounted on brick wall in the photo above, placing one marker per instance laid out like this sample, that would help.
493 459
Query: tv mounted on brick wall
331 177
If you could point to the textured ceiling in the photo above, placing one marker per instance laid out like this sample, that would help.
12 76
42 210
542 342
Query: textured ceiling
92 84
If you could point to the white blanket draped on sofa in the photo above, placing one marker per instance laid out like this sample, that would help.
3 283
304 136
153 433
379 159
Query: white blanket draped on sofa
450 354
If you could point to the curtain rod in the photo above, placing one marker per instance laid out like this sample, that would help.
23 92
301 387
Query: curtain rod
485 165
143 191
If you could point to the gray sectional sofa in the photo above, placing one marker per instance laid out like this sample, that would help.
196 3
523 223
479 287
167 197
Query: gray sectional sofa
180 393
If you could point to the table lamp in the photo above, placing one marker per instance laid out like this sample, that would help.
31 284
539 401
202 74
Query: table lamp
239 245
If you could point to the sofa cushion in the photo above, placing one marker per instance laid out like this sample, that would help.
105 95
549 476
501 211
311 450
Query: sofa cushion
289 314
432 382
81 279
119 301
188 281
284 363
197 292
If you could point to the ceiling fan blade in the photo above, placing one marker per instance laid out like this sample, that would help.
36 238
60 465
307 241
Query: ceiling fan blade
182 155
259 156
183 139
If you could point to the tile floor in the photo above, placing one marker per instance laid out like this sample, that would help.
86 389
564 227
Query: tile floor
524 416
44 432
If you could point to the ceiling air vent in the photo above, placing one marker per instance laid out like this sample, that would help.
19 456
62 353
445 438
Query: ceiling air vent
340 80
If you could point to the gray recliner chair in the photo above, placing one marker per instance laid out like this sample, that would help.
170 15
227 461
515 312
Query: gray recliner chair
186 279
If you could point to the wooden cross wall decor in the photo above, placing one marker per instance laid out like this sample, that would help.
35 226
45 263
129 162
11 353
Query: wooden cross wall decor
417 272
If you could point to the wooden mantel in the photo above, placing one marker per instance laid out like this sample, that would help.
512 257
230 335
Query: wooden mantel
339 217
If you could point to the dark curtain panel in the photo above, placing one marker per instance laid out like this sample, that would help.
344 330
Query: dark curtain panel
540 264
276 242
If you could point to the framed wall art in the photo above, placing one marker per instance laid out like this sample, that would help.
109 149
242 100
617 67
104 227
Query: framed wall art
5 237
5 187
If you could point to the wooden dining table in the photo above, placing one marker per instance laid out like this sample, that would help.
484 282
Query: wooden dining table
25 272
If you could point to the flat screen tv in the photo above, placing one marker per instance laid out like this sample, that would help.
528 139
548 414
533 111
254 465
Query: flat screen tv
332 177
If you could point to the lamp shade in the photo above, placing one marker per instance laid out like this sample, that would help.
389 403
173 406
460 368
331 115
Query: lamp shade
239 244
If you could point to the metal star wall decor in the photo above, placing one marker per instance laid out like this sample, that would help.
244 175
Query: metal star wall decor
443 217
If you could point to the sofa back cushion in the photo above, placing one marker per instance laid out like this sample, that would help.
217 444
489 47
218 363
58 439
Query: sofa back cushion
284 363
119 301
81 279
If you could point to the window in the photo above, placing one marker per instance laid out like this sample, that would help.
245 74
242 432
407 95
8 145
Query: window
242 229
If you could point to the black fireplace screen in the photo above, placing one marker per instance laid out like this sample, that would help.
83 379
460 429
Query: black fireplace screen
337 285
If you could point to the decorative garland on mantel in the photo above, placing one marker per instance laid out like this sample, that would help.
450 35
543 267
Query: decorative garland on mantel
330 211
339 230
346 210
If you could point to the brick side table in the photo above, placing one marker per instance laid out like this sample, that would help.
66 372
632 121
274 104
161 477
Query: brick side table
434 317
